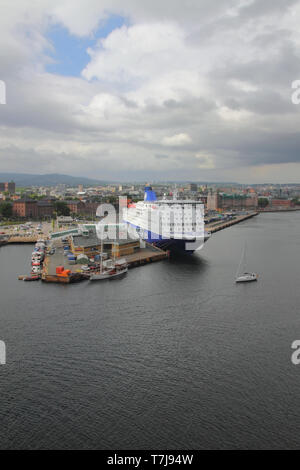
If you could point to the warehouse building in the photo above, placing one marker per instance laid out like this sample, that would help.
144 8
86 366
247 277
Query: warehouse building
90 244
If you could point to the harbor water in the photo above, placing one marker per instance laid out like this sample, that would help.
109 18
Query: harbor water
174 356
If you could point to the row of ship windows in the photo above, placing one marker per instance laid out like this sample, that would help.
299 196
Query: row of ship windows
174 224
181 225
185 218
179 211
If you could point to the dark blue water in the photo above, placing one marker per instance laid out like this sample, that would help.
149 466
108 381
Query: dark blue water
173 356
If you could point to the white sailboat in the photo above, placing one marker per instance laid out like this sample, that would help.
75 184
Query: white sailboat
245 276
117 269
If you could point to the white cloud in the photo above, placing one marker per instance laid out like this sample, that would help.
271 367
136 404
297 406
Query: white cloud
133 53
177 140
234 115
208 80
206 161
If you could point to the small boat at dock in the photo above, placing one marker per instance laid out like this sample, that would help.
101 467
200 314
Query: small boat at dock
112 270
108 275
31 278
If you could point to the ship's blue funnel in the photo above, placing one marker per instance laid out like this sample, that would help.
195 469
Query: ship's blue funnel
149 194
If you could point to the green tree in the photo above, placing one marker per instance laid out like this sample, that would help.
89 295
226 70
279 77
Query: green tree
61 208
296 201
6 209
263 202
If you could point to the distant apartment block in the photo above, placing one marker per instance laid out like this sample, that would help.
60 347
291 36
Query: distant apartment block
76 207
29 208
223 201
280 203
25 208
32 209
193 187
9 187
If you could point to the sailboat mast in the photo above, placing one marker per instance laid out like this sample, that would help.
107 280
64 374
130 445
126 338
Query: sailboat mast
243 257
101 265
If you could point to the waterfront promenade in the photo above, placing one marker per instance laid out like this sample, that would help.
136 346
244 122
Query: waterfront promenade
221 225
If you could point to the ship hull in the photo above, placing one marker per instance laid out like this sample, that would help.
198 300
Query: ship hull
188 246
178 246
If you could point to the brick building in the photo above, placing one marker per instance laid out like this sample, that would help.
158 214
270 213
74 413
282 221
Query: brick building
90 208
82 208
212 201
76 207
280 203
45 208
9 187
33 209
223 201
25 208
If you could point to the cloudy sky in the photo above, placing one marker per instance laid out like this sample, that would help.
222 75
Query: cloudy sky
150 89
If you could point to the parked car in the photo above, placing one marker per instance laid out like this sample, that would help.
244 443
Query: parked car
85 268
94 267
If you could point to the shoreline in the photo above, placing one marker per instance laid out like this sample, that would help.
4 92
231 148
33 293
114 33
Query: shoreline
147 255
217 226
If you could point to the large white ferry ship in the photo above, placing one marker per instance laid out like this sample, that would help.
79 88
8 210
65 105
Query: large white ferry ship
171 224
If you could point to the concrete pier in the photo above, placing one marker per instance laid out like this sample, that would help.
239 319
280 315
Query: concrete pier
217 226
23 239
146 255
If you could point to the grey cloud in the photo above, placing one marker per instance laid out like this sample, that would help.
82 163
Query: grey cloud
49 113
265 8
161 156
279 70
